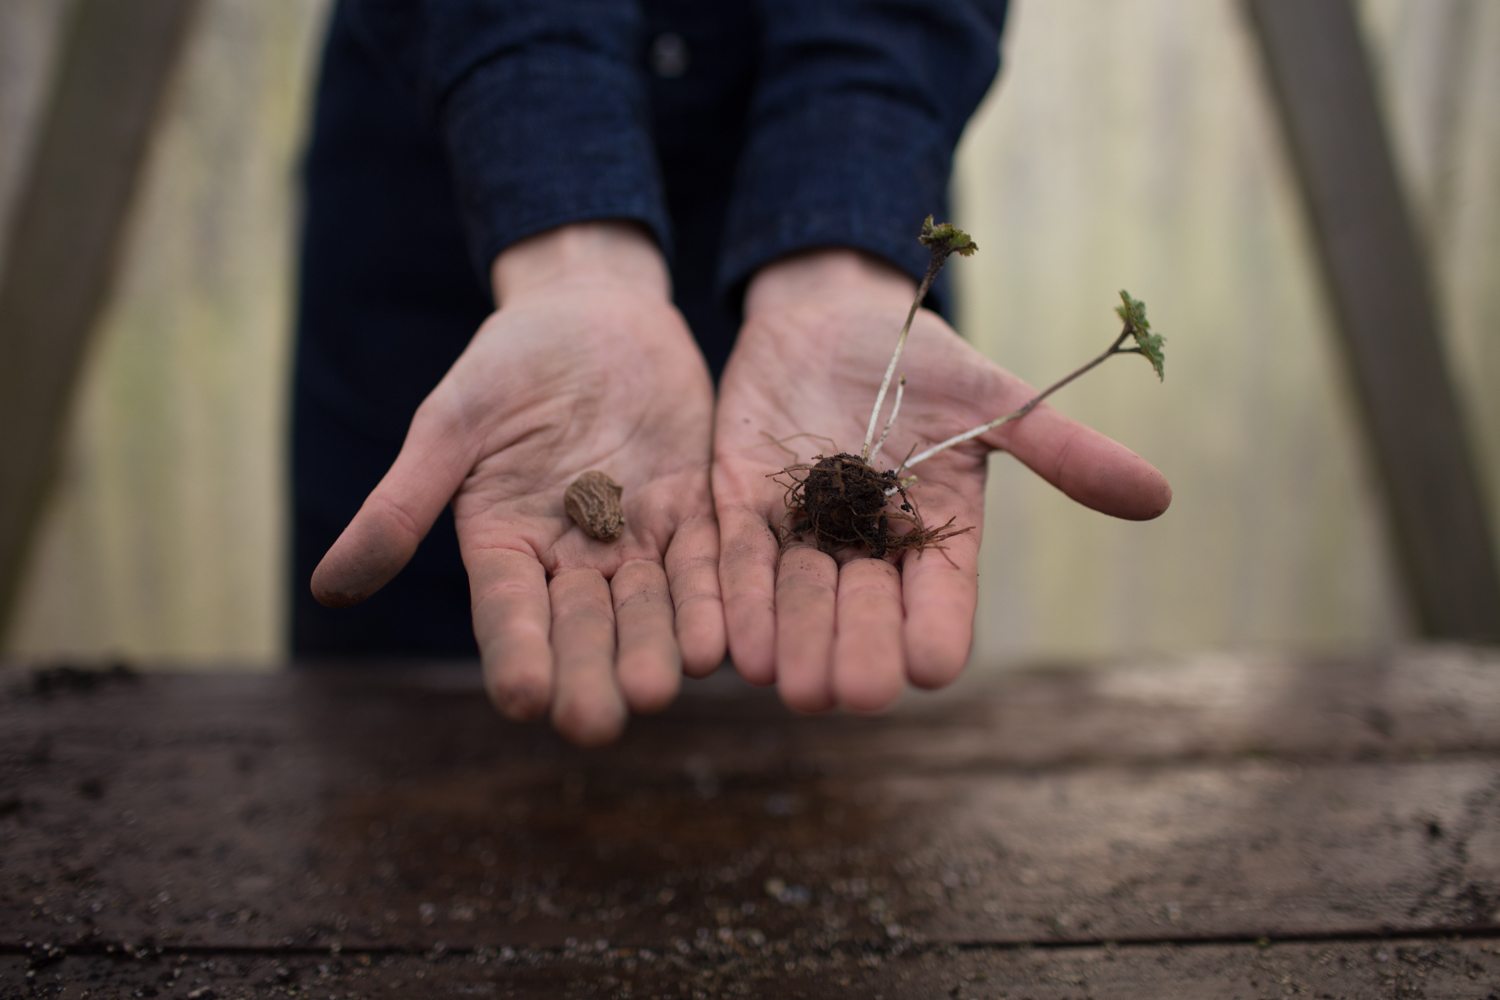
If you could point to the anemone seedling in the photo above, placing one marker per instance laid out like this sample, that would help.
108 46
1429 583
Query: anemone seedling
844 502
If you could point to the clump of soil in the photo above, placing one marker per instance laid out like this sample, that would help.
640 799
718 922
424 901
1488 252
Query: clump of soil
844 503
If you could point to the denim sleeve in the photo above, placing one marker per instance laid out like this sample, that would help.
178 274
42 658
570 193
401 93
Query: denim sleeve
856 113
541 105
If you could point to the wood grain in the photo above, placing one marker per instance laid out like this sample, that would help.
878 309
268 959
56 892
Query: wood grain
1378 283
395 811
1414 969
114 68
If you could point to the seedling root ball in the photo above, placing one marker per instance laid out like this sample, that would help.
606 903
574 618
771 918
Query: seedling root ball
844 503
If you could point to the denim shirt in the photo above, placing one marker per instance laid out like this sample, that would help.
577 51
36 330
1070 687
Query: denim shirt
735 131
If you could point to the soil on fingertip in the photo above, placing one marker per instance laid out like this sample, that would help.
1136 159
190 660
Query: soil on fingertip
842 503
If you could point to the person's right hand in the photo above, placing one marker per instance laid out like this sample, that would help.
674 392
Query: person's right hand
585 365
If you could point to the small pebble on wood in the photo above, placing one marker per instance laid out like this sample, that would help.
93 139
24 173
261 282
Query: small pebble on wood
593 502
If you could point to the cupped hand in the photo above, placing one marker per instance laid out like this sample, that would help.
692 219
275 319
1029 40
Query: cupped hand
585 365
817 337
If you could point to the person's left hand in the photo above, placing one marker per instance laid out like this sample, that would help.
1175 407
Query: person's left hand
818 334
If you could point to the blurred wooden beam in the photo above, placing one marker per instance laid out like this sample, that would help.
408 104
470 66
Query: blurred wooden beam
1375 275
113 67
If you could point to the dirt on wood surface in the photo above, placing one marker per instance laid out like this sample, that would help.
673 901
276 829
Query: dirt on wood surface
72 678
720 966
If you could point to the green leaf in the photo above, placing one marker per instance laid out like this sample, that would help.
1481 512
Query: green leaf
1132 313
1151 347
945 238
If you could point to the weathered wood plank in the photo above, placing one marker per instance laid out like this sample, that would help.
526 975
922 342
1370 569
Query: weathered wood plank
292 852
1397 704
387 811
1411 969
1379 290
114 68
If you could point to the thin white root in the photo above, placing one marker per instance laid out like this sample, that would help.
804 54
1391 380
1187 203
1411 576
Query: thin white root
890 369
885 385
958 439
891 421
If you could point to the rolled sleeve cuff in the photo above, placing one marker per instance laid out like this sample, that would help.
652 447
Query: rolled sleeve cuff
538 141
852 170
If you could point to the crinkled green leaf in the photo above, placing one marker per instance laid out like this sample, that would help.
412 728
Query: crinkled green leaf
1151 347
945 238
1132 313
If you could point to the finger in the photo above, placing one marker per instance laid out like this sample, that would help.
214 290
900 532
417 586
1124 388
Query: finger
512 623
1089 467
587 707
867 669
940 589
692 564
747 574
647 664
806 589
398 513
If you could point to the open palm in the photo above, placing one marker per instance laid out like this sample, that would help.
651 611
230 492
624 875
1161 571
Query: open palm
588 375
809 362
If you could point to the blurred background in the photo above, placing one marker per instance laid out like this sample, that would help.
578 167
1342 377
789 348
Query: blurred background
1132 144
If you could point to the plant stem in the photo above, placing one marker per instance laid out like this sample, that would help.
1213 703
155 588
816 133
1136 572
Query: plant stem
933 267
1030 405
890 421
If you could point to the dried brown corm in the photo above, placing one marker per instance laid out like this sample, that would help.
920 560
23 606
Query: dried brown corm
593 502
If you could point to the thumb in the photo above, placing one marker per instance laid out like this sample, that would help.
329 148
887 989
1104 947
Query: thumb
398 513
1089 467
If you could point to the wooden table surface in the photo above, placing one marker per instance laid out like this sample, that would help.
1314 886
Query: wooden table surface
1215 826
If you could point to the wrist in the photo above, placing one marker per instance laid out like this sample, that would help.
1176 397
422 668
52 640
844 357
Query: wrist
825 274
613 250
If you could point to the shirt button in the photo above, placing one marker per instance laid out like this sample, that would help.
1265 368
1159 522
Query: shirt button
669 55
